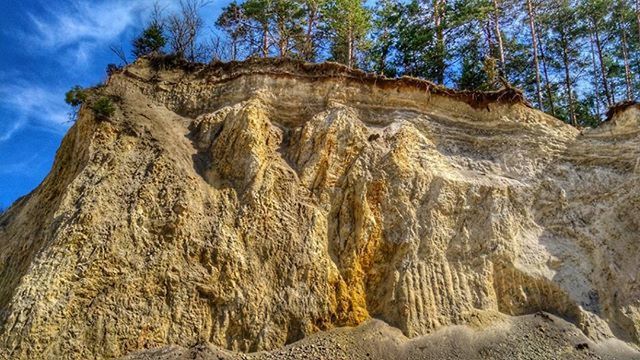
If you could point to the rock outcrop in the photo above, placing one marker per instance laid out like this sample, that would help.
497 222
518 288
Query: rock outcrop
249 205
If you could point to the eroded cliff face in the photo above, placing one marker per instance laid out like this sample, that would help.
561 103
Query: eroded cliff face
251 205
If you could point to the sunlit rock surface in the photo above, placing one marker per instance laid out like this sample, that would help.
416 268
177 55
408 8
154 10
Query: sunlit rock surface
247 206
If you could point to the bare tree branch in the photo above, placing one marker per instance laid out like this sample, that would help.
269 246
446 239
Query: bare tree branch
119 52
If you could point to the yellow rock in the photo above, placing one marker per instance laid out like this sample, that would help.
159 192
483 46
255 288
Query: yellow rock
249 207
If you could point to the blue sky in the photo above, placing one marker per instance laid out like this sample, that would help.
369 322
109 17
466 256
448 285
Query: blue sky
46 47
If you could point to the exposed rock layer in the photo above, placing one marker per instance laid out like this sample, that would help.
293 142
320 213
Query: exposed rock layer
251 207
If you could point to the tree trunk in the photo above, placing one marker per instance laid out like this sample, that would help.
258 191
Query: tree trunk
309 53
487 35
627 67
596 88
499 36
534 43
605 82
552 107
439 7
234 48
567 79
265 40
283 36
350 48
384 52
638 16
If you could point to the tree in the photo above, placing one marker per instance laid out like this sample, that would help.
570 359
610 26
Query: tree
621 20
347 23
233 22
638 16
596 11
76 96
534 45
549 86
565 38
287 19
571 56
498 34
259 12
103 108
417 44
151 41
468 22
183 29
386 17
307 43
474 73
440 50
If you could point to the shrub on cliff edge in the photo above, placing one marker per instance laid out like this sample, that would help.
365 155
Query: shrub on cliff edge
76 96
103 108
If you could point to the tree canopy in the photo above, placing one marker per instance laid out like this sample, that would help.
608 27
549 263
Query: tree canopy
572 58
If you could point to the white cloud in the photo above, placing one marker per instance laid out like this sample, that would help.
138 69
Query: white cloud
86 22
32 105
72 32
13 128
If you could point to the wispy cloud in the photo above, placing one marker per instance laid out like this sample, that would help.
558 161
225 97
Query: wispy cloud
12 128
70 33
34 105
79 28
86 22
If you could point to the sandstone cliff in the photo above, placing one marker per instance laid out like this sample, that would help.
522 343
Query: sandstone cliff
250 205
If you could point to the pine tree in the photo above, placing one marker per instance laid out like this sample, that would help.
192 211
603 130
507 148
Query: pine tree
307 43
595 11
621 24
565 35
233 22
467 21
534 46
151 41
347 23
386 17
570 56
287 17
259 12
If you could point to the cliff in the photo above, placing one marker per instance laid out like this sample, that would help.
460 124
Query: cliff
250 205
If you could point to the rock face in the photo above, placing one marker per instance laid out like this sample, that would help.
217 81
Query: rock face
250 205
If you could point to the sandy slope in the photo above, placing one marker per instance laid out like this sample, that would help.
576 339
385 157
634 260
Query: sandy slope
539 336
248 206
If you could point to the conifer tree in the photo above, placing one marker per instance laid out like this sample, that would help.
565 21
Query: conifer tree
346 23
572 57
233 22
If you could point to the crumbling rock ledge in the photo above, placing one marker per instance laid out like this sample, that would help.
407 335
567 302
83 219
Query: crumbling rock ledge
221 72
251 205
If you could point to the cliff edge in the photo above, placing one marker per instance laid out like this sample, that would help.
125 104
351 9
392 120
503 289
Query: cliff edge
250 205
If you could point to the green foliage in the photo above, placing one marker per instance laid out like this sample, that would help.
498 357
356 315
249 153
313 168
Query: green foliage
346 23
76 96
386 17
233 21
103 107
477 73
151 41
267 27
415 43
586 57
